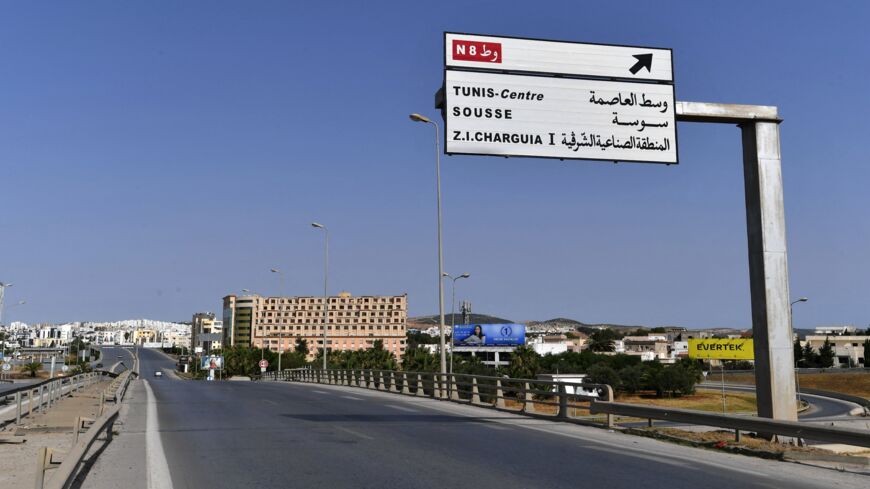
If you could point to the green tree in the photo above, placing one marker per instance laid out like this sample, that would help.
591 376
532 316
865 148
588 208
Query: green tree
631 378
603 340
525 363
602 374
673 380
867 352
32 368
826 354
302 346
420 360
809 357
798 351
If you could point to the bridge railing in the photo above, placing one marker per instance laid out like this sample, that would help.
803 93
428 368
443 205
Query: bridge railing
66 470
564 401
537 397
42 395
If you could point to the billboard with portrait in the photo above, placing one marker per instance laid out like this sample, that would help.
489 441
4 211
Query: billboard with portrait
489 335
215 362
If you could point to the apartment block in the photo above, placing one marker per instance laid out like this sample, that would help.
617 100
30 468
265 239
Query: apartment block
352 323
203 328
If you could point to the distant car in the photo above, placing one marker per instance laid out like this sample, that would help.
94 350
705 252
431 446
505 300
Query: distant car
120 356
99 365
158 374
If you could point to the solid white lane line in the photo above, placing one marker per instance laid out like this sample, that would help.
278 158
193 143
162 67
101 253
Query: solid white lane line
352 398
157 467
354 433
401 408
320 392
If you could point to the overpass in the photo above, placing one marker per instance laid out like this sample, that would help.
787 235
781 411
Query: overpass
279 434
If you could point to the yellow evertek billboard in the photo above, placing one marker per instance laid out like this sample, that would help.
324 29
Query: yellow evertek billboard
722 349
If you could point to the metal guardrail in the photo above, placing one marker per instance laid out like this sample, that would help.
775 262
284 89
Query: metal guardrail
837 395
43 394
738 423
66 470
534 397
562 399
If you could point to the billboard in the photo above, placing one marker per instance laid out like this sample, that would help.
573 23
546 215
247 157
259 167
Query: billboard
489 335
212 362
722 349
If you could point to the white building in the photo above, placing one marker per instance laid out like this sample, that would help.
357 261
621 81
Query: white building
848 350
835 330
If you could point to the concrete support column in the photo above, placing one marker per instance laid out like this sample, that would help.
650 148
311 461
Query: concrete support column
528 404
405 389
499 394
768 271
420 389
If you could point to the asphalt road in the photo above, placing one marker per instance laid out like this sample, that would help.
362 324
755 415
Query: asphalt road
268 434
820 406
111 355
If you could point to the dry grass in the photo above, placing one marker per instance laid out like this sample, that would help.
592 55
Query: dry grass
702 400
856 384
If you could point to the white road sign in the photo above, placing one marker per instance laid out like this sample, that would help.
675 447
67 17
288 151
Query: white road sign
7 367
538 116
557 57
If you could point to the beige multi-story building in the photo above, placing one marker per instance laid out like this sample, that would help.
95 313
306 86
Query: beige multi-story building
144 336
353 323
202 328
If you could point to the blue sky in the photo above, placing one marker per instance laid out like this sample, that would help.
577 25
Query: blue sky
156 156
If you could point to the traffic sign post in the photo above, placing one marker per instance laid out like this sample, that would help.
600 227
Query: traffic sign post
523 77
263 365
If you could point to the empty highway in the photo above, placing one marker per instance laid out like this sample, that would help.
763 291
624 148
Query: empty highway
264 434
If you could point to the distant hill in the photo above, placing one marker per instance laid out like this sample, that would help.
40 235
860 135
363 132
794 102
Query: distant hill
579 325
427 321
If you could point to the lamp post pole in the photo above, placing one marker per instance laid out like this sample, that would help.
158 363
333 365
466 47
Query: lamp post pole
325 285
797 381
420 118
3 288
453 312
281 325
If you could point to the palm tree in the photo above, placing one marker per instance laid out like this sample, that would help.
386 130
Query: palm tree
524 363
32 368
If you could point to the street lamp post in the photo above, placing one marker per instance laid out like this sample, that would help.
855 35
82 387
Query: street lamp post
797 382
420 118
453 312
325 284
280 331
3 288
5 335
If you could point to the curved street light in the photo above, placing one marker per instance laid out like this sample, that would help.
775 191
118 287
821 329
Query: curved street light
325 284
419 118
453 311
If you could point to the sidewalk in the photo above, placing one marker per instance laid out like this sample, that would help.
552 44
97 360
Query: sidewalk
53 429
